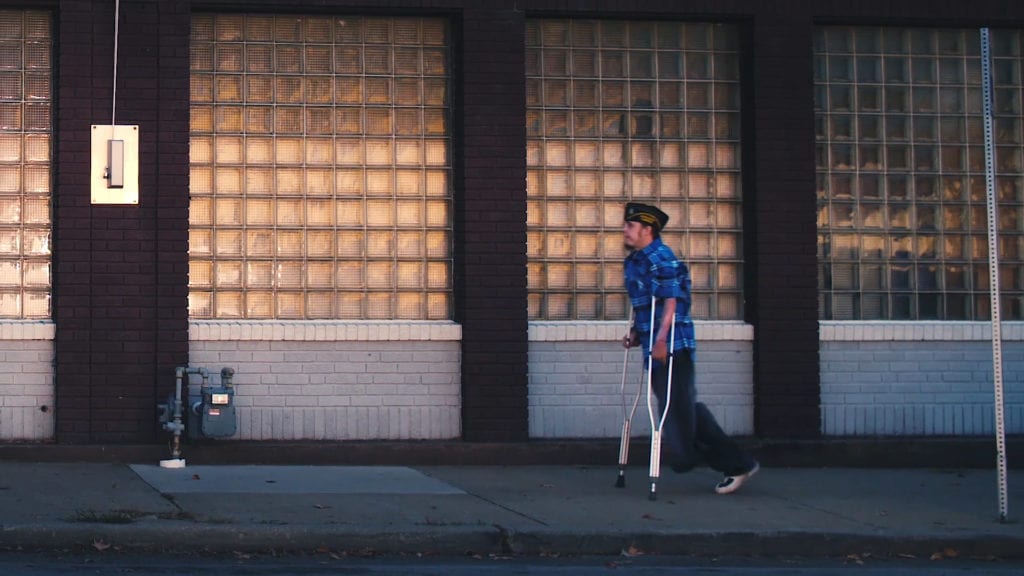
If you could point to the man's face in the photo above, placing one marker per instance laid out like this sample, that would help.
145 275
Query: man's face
635 235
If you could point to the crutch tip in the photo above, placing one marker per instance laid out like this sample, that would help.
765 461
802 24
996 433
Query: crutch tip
620 482
652 496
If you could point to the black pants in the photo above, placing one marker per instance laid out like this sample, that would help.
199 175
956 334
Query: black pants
690 430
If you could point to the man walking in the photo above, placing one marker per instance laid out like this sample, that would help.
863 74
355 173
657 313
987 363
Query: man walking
652 269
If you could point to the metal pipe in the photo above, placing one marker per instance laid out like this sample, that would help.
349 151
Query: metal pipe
176 426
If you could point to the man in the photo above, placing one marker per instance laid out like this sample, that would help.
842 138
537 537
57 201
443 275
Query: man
690 429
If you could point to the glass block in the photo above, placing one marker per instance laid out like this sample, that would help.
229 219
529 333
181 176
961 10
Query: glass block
261 150
587 276
350 305
435 62
350 213
319 151
380 244
228 180
588 214
670 185
409 183
259 243
320 120
289 243
700 308
698 185
410 213
727 156
288 274
200 304
319 182
320 244
643 184
380 213
319 275
953 247
380 275
290 212
36 242
438 244
410 244
288 150
350 274
200 211
288 181
558 214
701 214
613 154
611 245
378 122
228 211
259 181
438 214
558 244
348 90
557 153
871 277
586 153
36 304
228 304
380 306
379 152
228 274
227 243
200 274
410 305
587 245
670 154
349 151
727 246
200 242
288 120
319 213
290 305
350 244
701 245
435 92
535 276
435 123
641 154
410 274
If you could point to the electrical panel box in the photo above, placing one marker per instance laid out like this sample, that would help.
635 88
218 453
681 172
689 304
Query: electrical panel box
114 171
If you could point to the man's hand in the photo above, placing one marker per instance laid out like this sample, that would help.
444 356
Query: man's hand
631 340
660 351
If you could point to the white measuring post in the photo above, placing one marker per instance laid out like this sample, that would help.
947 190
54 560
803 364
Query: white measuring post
993 270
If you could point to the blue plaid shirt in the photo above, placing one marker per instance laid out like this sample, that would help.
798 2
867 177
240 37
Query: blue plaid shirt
656 270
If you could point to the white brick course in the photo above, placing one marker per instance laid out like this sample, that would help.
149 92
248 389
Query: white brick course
929 378
299 387
26 381
575 376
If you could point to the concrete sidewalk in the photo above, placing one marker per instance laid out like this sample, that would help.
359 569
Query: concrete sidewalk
456 510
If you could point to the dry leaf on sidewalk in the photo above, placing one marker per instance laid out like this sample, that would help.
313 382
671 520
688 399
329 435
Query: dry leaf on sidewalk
100 545
632 551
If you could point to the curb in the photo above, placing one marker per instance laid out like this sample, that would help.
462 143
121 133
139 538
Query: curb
179 537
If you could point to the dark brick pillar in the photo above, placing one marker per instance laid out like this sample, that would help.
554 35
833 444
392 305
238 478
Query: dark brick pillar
782 282
120 272
490 224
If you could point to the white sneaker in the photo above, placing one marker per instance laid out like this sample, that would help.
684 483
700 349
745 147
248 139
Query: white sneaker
730 484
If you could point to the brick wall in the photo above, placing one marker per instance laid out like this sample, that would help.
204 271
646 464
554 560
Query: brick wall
26 382
490 224
120 271
332 381
576 379
928 379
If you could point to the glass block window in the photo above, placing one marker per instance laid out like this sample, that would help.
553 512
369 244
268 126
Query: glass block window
26 126
902 225
619 111
320 168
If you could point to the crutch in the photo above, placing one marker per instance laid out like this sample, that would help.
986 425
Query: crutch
627 416
658 424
